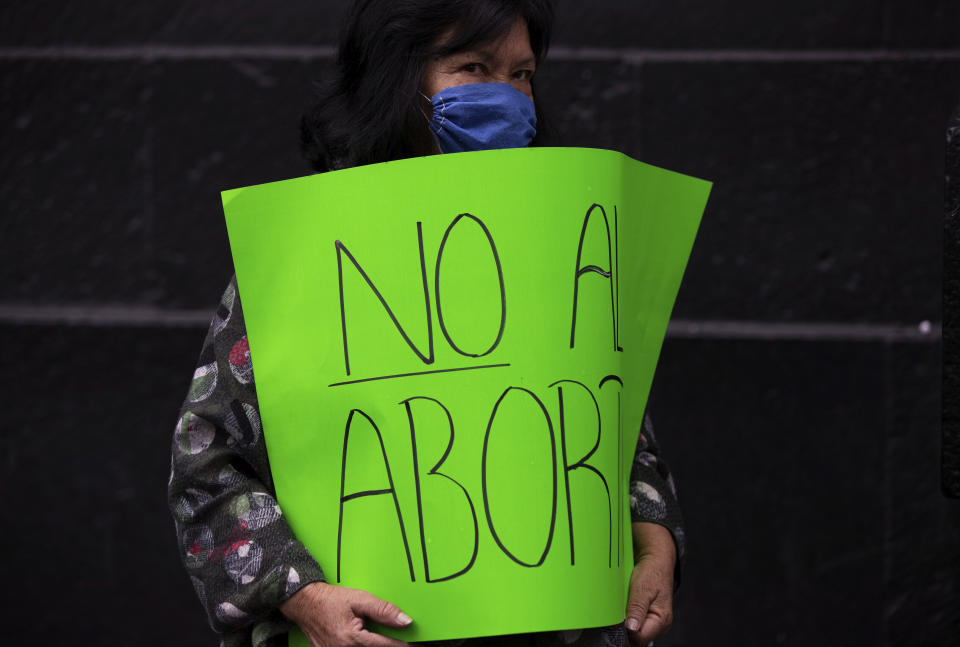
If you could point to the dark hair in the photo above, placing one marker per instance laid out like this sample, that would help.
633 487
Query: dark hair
370 112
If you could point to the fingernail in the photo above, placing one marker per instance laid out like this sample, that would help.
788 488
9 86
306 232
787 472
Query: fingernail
632 624
404 619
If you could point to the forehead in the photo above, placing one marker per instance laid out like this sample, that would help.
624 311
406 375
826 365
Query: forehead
513 44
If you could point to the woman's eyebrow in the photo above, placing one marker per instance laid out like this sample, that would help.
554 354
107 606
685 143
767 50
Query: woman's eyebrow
487 56
481 54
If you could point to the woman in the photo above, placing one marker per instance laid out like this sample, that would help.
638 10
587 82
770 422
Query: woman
415 78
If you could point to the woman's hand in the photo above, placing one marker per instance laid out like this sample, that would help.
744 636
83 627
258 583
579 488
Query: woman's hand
332 616
650 602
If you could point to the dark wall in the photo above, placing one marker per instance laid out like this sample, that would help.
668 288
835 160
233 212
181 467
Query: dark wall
798 394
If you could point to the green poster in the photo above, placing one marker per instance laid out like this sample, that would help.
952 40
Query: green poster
453 354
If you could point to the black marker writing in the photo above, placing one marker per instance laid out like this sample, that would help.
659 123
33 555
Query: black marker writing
428 357
503 296
606 379
434 472
608 274
342 250
582 463
344 498
483 478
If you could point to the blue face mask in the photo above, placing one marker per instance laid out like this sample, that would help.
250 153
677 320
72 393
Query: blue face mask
482 116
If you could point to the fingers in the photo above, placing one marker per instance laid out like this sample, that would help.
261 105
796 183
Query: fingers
656 624
334 615
649 611
370 639
637 605
370 606
653 627
636 619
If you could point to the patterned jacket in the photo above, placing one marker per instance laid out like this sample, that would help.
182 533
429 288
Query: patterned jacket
238 549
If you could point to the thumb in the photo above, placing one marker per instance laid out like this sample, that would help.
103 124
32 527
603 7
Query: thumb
637 605
372 607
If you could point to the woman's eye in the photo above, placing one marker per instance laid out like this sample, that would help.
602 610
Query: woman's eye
473 68
523 75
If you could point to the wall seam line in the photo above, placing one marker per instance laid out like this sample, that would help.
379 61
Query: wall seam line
635 56
146 316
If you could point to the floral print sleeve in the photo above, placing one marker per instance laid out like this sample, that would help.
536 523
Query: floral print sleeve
236 545
653 494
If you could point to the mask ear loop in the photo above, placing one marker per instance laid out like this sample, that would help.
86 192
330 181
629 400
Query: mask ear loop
429 103
430 125
443 110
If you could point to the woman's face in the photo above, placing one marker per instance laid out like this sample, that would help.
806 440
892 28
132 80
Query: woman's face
509 59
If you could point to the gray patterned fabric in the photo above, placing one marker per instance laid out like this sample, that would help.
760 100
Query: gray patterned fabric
235 543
